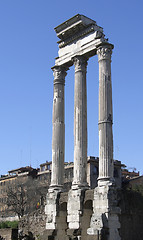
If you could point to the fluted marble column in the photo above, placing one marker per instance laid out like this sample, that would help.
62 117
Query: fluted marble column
105 114
58 137
80 122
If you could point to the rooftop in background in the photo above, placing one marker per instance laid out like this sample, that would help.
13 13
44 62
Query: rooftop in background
44 167
129 175
20 170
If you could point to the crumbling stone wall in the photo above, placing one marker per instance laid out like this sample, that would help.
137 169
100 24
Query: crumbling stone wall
33 223
8 234
131 218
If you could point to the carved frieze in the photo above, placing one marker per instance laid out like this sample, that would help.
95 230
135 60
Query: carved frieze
80 34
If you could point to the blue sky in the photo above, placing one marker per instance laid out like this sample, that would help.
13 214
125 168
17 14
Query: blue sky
28 46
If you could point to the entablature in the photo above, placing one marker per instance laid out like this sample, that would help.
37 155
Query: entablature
78 36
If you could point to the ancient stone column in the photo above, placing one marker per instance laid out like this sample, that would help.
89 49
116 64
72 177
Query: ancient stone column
80 122
58 137
79 184
104 221
105 114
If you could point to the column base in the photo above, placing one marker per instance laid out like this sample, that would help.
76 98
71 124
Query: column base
75 207
55 187
51 208
104 220
105 181
83 186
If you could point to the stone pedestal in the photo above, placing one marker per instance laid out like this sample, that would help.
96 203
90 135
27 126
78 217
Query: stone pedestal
51 209
74 208
105 222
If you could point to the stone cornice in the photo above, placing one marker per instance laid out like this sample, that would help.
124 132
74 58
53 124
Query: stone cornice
75 24
80 34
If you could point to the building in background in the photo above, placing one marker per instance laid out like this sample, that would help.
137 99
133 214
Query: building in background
40 179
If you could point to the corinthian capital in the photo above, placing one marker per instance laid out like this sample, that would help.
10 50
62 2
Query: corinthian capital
59 73
104 52
80 63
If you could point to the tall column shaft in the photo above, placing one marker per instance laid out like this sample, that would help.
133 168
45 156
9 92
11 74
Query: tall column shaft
105 113
80 122
58 137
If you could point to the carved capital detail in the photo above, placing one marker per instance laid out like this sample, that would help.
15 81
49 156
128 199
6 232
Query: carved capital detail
80 63
59 74
104 52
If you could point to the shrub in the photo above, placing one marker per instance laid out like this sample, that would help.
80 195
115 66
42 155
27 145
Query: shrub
8 224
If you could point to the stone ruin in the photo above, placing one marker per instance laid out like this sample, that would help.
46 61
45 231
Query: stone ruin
79 39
